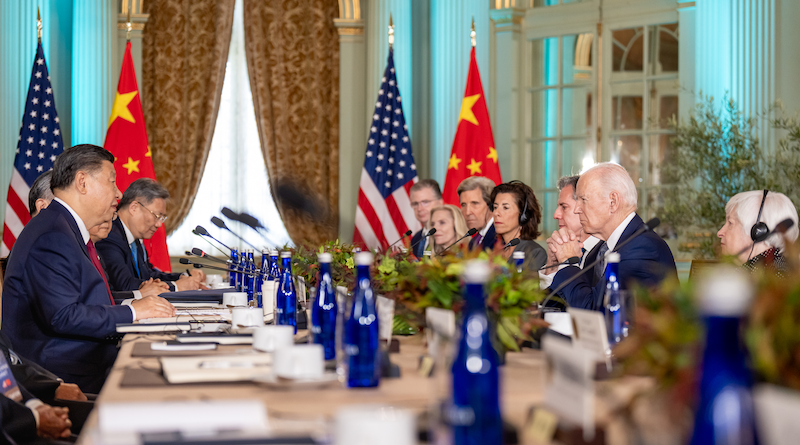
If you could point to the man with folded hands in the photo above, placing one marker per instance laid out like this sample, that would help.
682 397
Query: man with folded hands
57 306
142 210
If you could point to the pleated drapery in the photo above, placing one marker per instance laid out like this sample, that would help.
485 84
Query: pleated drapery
184 54
292 50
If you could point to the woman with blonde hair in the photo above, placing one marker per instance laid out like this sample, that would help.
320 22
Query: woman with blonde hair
450 225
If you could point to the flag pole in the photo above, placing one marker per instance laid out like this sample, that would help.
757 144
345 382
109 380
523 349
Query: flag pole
128 25
391 32
472 35
39 24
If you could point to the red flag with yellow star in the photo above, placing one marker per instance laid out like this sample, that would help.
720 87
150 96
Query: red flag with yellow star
473 151
126 139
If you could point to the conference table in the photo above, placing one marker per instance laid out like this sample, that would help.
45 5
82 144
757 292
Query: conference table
311 412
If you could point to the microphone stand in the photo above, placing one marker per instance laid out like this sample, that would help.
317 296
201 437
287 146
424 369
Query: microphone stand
408 232
780 228
469 233
221 224
432 231
199 253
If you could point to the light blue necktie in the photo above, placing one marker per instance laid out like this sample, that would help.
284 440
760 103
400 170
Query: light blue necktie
135 259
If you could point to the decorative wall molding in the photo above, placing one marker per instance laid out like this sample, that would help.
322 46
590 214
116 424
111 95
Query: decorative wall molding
350 9
349 27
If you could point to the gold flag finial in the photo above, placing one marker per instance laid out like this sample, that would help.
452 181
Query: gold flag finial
472 33
128 25
39 24
391 31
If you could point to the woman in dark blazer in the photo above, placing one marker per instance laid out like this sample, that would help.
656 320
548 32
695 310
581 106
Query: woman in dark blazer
517 215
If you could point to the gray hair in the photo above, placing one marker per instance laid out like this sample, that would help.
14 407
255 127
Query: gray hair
485 184
613 177
568 181
777 207
143 189
40 190
427 183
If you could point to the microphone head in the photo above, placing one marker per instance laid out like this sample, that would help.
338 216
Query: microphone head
218 222
652 224
185 261
573 260
230 214
198 252
432 231
293 196
250 220
511 243
784 225
408 232
473 231
188 253
200 230
197 266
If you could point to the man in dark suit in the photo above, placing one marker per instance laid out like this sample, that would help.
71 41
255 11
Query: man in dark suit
142 210
606 204
57 307
475 197
425 196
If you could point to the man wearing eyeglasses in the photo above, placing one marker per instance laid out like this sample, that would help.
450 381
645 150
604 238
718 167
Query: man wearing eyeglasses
425 196
142 210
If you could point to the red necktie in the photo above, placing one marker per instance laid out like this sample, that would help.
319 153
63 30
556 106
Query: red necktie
96 261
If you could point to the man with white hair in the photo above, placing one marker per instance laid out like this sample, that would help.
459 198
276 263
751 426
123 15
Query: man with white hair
606 204
749 218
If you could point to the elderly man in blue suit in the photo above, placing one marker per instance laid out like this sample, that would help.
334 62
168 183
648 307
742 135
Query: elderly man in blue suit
57 306
606 204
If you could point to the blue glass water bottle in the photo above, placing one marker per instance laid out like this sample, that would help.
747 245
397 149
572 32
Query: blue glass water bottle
274 266
519 259
233 266
286 306
325 309
243 267
725 412
264 269
251 278
475 412
361 330
613 304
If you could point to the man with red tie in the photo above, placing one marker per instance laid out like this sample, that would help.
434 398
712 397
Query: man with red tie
57 306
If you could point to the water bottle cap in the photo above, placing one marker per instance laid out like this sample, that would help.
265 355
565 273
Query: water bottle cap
612 257
264 251
476 271
518 255
725 292
325 257
363 259
273 252
286 254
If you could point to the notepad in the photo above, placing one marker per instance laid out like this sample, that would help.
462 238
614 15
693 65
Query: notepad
173 345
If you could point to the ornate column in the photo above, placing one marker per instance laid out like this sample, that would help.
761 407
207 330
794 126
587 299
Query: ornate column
352 111
94 75
138 21
504 86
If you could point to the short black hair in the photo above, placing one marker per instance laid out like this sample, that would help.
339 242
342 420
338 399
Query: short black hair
143 189
40 190
84 157
427 183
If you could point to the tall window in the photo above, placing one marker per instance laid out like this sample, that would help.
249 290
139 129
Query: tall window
603 95
235 175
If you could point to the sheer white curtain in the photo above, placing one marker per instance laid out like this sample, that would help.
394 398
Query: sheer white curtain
235 175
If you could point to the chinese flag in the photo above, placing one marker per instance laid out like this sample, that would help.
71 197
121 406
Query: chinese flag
126 139
473 151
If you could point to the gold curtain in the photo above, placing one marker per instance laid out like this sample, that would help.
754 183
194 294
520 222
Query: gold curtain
292 50
184 54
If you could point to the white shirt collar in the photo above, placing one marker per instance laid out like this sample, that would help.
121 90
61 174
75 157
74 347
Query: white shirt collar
78 220
128 233
486 228
590 242
612 240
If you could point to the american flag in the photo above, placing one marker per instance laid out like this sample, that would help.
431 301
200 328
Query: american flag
39 144
384 209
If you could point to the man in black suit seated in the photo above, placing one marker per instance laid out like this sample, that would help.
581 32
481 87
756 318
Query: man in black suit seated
57 307
425 196
606 204
141 211
475 197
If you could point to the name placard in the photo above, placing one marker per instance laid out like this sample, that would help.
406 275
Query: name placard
571 392
591 334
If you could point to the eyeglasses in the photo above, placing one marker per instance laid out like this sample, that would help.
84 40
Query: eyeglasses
159 218
425 203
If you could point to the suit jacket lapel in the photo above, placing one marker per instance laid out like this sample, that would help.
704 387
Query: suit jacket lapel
57 207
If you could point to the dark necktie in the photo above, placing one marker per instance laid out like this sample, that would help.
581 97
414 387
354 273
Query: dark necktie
600 268
96 262
478 239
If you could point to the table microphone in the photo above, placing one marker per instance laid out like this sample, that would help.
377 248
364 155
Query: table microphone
781 228
511 243
408 232
469 233
433 230
570 261
208 266
221 224
649 225
197 252
202 232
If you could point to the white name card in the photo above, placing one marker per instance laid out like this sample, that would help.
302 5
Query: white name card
440 327
571 392
385 317
777 410
590 333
